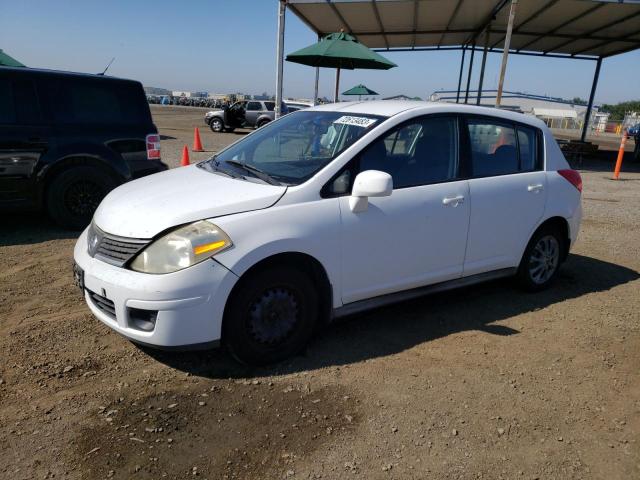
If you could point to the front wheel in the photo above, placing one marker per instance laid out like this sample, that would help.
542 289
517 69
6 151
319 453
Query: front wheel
216 125
270 316
541 260
73 195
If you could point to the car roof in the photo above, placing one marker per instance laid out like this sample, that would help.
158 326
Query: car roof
390 108
46 72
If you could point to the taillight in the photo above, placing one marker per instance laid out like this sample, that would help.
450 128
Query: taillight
573 177
153 146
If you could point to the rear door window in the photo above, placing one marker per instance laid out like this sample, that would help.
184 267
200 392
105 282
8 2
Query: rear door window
254 106
494 148
270 105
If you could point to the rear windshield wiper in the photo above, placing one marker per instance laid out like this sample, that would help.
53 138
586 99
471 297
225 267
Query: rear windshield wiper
264 176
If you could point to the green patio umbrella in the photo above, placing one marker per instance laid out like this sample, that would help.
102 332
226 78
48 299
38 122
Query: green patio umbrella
360 90
7 61
340 51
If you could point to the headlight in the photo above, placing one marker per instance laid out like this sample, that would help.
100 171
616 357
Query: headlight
182 248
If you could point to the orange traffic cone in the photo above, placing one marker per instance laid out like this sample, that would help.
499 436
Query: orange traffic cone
185 157
197 144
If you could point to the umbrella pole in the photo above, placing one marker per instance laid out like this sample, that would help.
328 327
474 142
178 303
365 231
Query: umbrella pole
335 96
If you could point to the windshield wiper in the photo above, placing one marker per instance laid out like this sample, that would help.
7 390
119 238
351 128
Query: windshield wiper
213 165
264 176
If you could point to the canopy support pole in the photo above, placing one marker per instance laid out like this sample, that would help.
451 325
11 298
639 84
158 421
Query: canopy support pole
335 96
587 114
315 90
473 51
484 61
464 50
282 8
505 51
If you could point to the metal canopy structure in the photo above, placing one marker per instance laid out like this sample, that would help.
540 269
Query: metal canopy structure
572 29
578 28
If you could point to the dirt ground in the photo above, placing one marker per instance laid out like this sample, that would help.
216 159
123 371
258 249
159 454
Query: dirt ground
486 382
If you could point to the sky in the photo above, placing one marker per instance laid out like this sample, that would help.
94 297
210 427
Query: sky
224 46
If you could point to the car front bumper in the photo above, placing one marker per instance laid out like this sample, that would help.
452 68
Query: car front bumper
188 305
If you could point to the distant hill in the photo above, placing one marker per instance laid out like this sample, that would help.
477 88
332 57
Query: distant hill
156 91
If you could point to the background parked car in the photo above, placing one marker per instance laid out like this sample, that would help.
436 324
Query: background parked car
633 130
246 113
67 139
295 106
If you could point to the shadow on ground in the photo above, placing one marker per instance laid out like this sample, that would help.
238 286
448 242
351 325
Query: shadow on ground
605 162
389 330
30 228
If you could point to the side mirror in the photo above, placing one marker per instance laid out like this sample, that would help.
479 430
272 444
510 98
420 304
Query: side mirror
371 183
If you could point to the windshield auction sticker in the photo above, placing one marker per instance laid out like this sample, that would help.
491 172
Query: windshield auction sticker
363 122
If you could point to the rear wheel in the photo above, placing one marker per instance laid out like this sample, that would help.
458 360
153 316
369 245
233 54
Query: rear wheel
75 193
271 315
262 123
541 260
216 125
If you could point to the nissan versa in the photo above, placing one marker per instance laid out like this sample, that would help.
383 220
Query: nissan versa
326 212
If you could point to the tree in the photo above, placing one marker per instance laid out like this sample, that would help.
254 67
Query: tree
579 101
618 111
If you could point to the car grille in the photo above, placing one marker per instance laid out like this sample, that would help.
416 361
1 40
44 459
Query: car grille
112 249
103 304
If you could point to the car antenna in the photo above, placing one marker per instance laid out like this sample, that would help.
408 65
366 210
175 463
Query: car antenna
107 67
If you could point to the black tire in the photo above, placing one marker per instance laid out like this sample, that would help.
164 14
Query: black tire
216 125
262 123
541 260
270 316
74 194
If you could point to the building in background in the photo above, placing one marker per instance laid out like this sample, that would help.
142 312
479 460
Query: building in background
181 93
554 111
402 97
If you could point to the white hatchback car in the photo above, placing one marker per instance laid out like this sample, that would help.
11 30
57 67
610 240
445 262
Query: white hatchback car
326 212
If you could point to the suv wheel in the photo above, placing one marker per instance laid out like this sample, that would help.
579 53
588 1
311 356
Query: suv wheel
270 316
262 123
216 125
74 194
541 260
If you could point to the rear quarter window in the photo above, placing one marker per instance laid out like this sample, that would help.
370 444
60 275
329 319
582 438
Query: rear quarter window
91 101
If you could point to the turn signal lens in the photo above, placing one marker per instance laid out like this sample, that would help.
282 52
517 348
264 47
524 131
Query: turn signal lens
209 247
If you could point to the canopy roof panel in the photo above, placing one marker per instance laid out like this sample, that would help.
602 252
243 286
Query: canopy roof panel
579 28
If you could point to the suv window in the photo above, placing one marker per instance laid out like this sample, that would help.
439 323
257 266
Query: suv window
420 152
270 106
89 101
18 103
254 106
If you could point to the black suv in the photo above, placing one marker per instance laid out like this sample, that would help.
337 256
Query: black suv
67 139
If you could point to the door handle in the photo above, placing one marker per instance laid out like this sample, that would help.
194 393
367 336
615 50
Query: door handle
453 200
535 188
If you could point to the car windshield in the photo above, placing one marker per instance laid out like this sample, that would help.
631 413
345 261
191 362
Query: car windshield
296 147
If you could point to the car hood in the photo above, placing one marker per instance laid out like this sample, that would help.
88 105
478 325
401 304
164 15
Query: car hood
145 207
210 113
